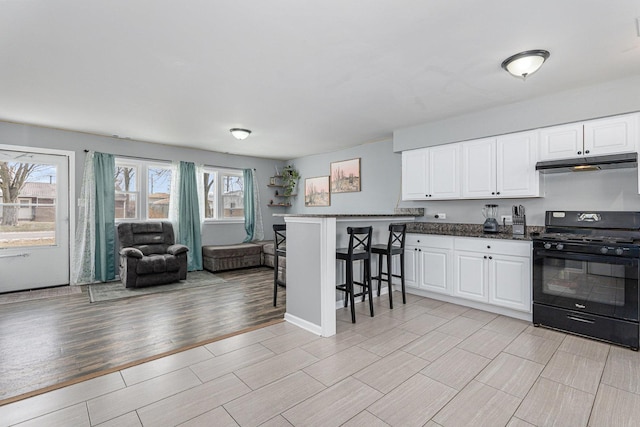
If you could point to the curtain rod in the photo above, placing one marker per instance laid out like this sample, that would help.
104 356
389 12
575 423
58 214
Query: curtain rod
169 161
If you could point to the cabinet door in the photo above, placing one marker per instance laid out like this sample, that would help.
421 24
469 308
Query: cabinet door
444 172
479 168
470 276
434 270
611 135
510 282
561 142
411 266
414 174
516 165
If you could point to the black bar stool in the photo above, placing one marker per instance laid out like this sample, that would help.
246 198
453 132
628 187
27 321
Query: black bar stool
359 249
394 246
279 249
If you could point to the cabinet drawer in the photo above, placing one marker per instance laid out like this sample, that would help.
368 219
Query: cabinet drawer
429 240
495 246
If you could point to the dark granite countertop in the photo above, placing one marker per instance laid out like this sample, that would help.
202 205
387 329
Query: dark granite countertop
469 230
393 215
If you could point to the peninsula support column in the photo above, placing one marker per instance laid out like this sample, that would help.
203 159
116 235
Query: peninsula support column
311 274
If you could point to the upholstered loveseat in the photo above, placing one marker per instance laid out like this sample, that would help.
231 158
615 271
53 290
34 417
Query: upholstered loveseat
149 255
228 257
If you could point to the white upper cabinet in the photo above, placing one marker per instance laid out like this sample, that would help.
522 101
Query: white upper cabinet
414 174
500 167
612 135
516 165
431 173
479 168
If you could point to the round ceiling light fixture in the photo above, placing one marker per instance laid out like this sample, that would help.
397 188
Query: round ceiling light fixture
523 64
240 133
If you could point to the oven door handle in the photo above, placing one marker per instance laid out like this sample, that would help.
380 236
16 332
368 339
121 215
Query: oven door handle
604 259
579 319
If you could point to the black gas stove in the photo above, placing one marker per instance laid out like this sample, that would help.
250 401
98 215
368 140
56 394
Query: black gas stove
586 275
604 233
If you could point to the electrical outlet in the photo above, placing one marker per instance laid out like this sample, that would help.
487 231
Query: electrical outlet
440 216
506 219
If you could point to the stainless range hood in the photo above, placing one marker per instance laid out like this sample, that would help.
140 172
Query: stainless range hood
583 164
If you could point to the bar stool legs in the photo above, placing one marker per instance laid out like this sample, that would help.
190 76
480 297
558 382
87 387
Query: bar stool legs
394 246
359 249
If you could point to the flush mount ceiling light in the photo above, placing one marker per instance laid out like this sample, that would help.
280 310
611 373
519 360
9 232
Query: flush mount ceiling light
524 64
239 133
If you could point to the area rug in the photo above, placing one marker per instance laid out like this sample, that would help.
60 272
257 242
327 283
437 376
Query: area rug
115 290
59 291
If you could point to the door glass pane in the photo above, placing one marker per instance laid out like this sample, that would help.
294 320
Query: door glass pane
159 190
28 199
232 196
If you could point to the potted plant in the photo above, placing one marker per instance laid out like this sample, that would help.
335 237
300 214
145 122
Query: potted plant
290 177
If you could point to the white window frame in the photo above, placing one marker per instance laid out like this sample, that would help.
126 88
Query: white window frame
142 184
218 199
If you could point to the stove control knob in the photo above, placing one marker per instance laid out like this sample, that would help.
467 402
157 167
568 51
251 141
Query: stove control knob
604 250
559 246
619 251
547 245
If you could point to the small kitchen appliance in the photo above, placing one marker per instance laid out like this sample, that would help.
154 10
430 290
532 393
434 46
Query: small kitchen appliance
490 212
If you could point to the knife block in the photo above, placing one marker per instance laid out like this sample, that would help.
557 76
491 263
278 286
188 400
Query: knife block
519 225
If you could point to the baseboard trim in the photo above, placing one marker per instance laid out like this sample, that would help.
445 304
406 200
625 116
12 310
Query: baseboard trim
301 323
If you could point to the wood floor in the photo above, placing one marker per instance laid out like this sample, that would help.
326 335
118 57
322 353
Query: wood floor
53 341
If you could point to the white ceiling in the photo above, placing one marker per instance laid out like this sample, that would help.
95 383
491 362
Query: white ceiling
305 76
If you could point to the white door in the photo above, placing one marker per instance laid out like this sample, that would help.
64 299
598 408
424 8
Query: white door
414 174
411 266
470 280
444 178
479 168
435 271
509 283
516 165
34 236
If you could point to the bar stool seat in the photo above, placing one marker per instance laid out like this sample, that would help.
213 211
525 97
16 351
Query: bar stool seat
279 250
359 250
394 246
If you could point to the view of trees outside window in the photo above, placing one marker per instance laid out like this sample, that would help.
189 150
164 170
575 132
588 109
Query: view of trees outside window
224 194
127 194
159 191
210 194
232 196
27 202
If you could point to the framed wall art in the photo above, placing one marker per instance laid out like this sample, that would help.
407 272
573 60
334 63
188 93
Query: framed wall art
316 191
345 176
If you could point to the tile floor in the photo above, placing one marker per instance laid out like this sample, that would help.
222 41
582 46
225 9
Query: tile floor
426 363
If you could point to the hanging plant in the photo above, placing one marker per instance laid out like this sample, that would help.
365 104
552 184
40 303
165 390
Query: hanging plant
290 177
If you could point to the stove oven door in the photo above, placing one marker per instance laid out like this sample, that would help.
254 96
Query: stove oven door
594 284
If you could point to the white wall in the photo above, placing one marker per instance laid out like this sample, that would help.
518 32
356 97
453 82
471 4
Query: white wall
34 136
607 99
380 172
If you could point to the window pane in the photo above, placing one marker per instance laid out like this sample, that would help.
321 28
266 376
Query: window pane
159 190
27 216
232 196
126 183
210 194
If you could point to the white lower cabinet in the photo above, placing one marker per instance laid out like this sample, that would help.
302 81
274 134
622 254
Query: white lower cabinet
428 262
496 272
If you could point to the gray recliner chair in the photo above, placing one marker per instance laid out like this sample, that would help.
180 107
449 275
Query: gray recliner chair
149 255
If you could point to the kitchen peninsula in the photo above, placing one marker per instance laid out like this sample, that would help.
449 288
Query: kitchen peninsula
312 240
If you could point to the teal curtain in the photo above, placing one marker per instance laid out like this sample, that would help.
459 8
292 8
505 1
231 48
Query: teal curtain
105 259
249 206
189 215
